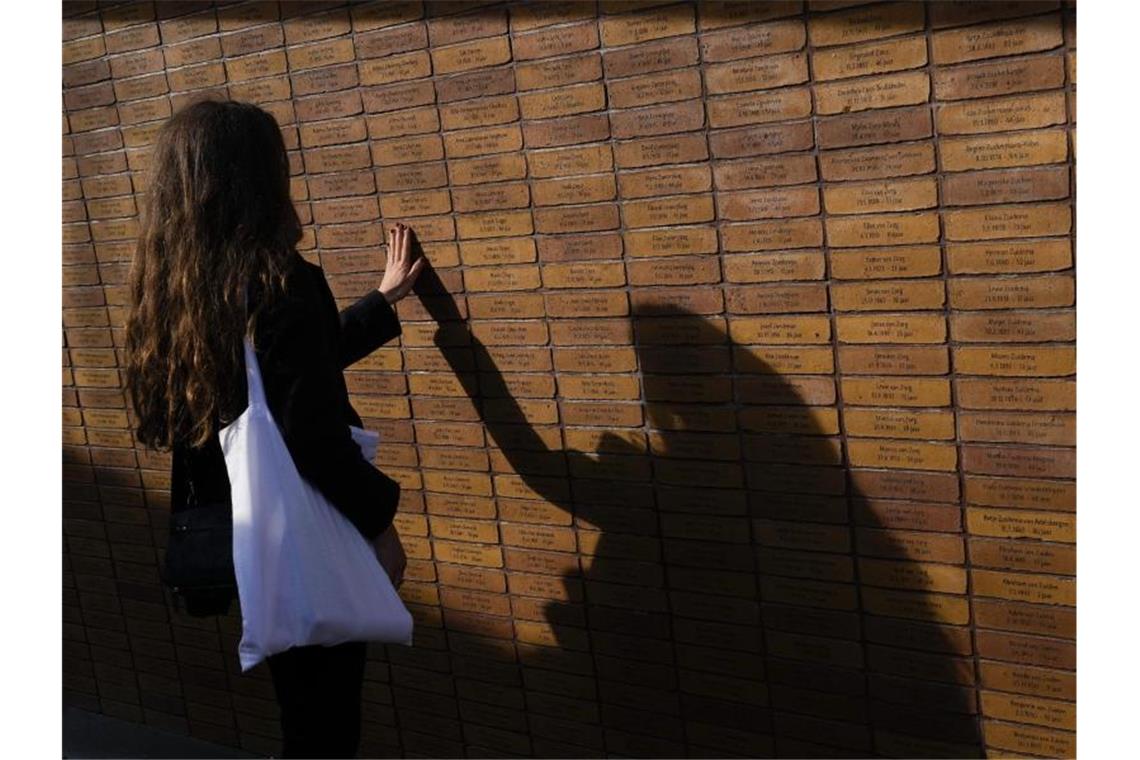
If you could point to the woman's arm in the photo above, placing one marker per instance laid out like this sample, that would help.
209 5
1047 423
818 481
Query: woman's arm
365 326
299 356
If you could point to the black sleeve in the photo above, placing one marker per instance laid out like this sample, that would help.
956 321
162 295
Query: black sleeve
365 326
299 358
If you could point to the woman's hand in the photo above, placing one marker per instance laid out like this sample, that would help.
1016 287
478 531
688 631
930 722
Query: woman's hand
400 271
390 552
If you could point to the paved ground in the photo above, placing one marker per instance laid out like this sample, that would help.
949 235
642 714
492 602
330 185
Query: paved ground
90 735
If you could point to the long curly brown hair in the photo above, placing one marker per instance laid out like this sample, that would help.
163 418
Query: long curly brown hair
217 238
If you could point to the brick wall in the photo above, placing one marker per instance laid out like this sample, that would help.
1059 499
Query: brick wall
736 419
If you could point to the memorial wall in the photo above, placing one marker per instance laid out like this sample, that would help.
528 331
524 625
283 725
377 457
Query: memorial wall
734 416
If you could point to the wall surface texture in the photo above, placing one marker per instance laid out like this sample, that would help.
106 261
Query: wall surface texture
735 418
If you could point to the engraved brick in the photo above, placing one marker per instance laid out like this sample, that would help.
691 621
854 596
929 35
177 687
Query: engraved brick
655 88
1024 149
888 295
1008 222
1009 257
1024 292
972 43
1001 114
673 271
1014 327
393 97
567 190
1006 186
878 423
242 43
860 24
780 330
998 523
561 40
878 162
768 203
764 172
410 121
1013 461
685 179
475 84
490 169
870 128
959 13
395 68
407 150
470 55
83 50
1044 394
569 130
142 87
576 218
999 78
336 132
133 38
751 41
526 17
878 263
562 102
772 71
758 108
715 14
661 211
650 25
999 427
265 64
320 54
776 298
878 92
772 267
771 235
558 72
655 151
896 391
1026 361
500 224
479 113
656 120
670 241
888 195
883 229
872 58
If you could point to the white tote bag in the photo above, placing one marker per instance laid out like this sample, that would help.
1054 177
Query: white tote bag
305 574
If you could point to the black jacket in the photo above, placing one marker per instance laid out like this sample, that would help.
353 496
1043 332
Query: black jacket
302 346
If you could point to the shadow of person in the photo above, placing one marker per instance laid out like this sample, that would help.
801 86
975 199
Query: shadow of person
730 592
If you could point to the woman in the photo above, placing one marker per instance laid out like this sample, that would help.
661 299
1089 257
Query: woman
216 261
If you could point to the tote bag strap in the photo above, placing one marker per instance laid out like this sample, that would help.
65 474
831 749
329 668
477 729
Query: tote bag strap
256 390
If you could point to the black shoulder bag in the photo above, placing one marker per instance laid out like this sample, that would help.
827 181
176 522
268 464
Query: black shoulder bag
199 567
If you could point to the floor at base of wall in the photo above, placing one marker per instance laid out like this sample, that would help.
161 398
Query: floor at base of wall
91 735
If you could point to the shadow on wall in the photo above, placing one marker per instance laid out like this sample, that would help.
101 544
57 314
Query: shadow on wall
723 595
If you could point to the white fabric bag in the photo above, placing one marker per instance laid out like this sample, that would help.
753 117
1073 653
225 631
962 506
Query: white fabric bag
305 574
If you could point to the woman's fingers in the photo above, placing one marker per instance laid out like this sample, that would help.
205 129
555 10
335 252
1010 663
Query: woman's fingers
399 254
403 247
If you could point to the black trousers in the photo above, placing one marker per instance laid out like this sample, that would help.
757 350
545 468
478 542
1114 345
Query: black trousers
318 689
